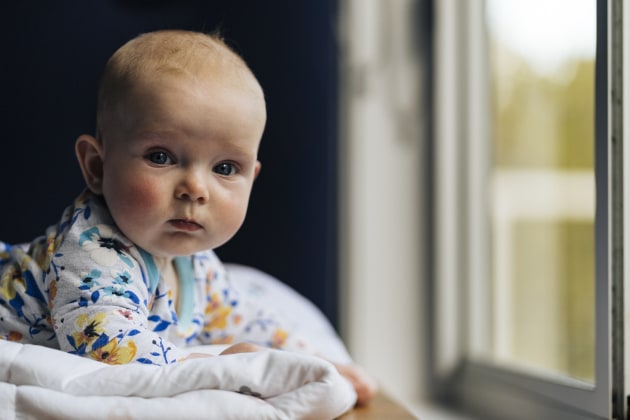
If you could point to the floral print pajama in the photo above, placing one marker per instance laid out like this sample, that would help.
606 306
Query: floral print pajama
86 289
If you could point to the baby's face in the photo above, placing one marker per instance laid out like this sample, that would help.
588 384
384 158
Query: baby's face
179 168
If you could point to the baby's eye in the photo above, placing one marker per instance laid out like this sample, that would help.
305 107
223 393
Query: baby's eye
159 158
225 169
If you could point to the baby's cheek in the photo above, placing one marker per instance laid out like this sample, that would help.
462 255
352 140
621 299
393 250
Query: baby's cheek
234 211
139 196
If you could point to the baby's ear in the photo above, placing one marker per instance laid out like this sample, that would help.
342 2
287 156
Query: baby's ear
90 156
257 169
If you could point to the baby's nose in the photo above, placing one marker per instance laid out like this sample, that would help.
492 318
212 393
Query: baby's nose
193 187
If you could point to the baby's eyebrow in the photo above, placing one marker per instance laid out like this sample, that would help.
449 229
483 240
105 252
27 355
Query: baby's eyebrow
239 152
150 135
148 139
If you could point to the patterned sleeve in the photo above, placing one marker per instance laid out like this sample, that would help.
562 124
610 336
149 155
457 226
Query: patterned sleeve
100 297
232 316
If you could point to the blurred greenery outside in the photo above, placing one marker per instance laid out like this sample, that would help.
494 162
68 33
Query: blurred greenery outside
546 122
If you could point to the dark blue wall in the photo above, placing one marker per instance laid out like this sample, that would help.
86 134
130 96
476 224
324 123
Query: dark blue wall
52 56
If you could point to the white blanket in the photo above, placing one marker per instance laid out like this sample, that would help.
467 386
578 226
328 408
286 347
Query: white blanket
42 383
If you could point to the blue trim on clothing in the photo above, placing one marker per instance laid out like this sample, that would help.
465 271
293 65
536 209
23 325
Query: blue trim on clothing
186 275
186 292
152 270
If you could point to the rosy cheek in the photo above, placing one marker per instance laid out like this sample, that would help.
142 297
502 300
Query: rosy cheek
139 195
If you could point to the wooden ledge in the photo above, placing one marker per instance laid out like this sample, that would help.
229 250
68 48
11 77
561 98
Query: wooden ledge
380 408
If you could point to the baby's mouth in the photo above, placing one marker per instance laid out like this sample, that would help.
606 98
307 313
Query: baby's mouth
185 224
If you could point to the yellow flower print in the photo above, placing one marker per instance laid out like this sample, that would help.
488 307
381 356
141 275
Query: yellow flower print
89 329
7 285
217 313
7 291
218 318
15 336
113 354
225 339
214 303
43 252
279 338
52 293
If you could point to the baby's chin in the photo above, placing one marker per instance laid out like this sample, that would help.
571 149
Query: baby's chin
179 250
179 244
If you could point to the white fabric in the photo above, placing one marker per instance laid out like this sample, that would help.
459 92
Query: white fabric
303 317
38 382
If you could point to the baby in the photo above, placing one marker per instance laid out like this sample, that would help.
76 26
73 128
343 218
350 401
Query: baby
128 274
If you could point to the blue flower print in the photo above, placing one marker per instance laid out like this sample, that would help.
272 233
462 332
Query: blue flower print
161 353
103 248
160 324
123 279
120 291
88 281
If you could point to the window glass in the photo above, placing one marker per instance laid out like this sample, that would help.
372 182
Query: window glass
542 184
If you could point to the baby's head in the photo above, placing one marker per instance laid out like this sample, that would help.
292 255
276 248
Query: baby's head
167 56
179 121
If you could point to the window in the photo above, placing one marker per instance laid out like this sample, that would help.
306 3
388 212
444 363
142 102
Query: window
541 198
525 184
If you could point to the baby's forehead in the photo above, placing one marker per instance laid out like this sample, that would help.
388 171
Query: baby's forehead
176 56
192 55
179 51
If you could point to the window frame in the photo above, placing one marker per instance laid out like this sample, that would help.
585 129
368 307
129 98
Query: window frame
458 375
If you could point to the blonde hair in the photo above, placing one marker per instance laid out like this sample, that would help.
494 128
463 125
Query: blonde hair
168 52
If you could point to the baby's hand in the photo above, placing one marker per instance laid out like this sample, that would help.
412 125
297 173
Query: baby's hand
234 348
197 356
242 348
364 385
